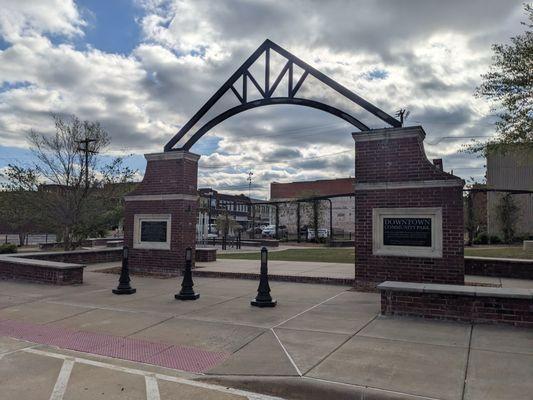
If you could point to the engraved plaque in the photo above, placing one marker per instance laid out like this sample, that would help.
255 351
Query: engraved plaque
154 231
407 232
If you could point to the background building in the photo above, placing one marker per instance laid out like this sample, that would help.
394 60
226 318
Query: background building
510 167
343 206
213 204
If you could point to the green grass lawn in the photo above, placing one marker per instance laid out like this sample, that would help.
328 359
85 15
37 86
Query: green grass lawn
503 252
324 254
336 255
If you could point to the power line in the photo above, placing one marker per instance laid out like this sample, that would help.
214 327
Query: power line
221 166
454 138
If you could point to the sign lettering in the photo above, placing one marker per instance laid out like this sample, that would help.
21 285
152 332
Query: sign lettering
407 232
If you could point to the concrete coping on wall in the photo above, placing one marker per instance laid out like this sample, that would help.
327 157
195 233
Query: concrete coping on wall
518 260
39 263
474 291
37 254
35 258
172 155
390 133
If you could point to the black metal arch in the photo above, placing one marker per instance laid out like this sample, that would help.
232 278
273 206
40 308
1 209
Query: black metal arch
267 90
265 102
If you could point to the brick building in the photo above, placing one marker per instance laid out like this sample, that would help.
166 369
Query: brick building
213 204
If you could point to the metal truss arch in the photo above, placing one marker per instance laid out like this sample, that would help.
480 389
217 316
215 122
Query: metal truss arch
265 102
267 89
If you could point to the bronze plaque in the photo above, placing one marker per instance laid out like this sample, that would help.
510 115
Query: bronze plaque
409 231
154 231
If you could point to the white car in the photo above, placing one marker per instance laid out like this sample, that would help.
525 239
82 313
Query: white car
269 231
322 233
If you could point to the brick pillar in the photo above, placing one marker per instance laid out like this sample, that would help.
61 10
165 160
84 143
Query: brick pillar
397 187
160 214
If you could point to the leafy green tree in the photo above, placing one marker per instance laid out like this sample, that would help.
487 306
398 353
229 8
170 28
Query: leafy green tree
312 211
509 85
507 214
19 202
225 223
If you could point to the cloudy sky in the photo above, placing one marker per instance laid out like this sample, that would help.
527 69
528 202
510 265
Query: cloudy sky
143 68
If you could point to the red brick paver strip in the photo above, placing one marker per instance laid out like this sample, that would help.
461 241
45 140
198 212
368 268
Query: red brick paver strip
165 355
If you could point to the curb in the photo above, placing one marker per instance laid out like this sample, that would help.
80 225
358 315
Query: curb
273 277
307 388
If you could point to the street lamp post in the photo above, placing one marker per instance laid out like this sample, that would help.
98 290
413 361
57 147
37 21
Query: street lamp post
263 298
124 286
187 291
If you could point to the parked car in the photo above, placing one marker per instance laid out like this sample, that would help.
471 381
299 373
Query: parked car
257 230
322 233
269 231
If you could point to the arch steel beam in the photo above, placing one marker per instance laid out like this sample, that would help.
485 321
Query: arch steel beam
268 90
271 101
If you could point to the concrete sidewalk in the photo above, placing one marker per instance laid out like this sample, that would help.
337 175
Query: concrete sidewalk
320 342
342 272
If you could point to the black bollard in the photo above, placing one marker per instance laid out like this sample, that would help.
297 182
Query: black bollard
263 298
124 286
187 292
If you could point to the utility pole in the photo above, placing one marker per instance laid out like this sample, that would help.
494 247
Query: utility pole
85 149
250 174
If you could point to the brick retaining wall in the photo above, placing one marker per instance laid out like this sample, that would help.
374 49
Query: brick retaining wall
56 268
499 267
46 272
458 303
77 256
206 255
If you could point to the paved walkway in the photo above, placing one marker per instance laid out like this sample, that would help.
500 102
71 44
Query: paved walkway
320 342
338 271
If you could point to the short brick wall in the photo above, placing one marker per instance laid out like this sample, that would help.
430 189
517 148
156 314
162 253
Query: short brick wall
12 268
499 267
56 268
206 255
76 256
85 243
323 280
458 303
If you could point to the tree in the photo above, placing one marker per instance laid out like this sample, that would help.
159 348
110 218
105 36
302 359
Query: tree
313 211
470 220
225 223
509 85
19 208
507 214
76 196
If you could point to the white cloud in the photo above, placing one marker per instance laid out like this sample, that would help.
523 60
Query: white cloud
31 18
426 57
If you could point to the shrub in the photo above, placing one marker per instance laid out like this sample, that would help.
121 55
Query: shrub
8 248
481 238
495 240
